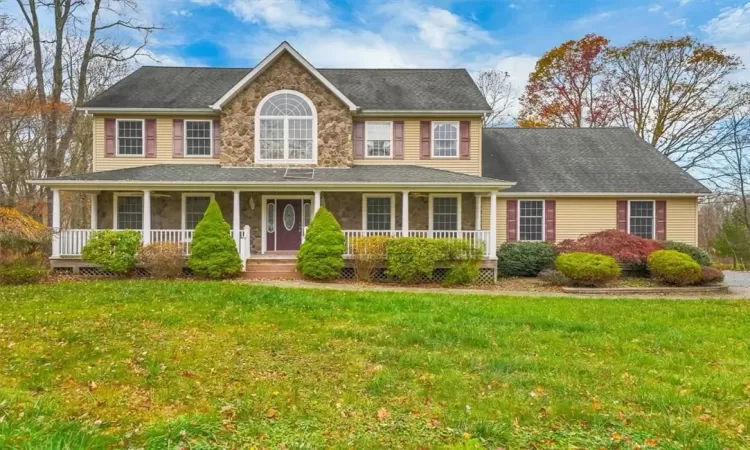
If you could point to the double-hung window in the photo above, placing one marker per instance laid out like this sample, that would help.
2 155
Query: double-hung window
445 139
286 129
641 218
129 212
531 220
446 213
379 212
378 139
193 207
198 137
130 137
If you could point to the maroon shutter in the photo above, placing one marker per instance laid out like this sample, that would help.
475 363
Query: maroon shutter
398 140
110 126
358 139
177 138
622 216
150 138
425 127
549 221
465 145
217 138
661 220
512 220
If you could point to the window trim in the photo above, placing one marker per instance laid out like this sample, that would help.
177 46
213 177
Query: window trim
258 117
432 138
185 195
431 209
364 210
653 219
117 138
544 219
115 203
390 124
185 137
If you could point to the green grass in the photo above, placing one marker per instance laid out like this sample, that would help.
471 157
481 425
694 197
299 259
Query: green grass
205 365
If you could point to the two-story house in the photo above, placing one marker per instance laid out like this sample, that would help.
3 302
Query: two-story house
400 152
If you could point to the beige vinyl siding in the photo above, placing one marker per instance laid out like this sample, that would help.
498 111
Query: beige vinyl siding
472 166
163 146
577 217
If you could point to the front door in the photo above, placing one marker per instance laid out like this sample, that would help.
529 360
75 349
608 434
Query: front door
288 224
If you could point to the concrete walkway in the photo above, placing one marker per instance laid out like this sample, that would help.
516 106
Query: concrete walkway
739 283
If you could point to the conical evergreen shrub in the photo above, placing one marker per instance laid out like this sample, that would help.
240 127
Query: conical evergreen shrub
321 255
213 253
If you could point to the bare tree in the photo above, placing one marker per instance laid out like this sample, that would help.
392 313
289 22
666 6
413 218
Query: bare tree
496 87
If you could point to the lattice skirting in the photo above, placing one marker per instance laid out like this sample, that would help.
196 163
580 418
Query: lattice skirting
99 272
486 275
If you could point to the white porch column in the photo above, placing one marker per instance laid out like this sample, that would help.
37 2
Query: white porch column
405 213
94 198
146 217
236 219
316 203
478 212
493 225
55 223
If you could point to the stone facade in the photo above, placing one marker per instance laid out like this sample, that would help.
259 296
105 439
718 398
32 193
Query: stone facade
238 116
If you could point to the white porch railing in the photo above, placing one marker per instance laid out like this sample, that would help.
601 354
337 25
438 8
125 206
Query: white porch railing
478 239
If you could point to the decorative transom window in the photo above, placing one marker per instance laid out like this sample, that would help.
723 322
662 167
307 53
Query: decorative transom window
379 213
286 128
445 213
129 213
531 220
194 208
641 218
130 137
445 139
378 139
198 137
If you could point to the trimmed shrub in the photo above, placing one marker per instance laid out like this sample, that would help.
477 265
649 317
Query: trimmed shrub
554 277
112 250
455 249
321 255
368 255
22 271
21 234
711 275
699 255
213 253
462 273
588 269
162 259
673 267
524 259
625 248
410 259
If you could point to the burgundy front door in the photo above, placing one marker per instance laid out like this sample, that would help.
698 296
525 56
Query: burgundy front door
288 224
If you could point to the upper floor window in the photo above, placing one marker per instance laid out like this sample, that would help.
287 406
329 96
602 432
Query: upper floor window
445 139
130 137
378 139
286 128
198 137
531 220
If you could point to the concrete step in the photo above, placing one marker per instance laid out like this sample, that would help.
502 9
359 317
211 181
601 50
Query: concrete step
272 262
272 275
271 268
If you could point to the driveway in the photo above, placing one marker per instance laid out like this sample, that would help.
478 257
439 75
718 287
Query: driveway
739 282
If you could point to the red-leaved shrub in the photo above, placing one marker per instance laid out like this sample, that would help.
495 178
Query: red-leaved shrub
625 248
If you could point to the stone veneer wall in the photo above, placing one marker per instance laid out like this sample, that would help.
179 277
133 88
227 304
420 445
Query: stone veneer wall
238 116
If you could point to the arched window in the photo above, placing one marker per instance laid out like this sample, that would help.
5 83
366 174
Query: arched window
286 128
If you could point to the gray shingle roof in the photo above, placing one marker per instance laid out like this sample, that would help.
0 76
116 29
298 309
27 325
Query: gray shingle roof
203 173
606 160
385 89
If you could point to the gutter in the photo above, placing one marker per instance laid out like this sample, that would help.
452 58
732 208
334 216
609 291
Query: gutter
600 194
107 110
406 112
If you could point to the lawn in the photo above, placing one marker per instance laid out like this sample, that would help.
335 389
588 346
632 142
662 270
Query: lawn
207 364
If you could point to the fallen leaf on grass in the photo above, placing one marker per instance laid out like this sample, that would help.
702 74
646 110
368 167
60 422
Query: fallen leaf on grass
272 413
383 414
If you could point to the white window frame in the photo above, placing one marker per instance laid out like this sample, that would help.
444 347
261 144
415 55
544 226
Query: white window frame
185 195
364 210
544 219
185 137
115 203
258 117
117 138
390 124
458 138
653 219
431 208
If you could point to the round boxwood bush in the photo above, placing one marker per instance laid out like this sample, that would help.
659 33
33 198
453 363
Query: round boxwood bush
213 253
699 255
112 250
588 269
673 267
321 255
524 259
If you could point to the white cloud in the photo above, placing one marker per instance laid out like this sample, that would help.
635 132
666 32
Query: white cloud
279 14
181 12
684 2
732 24
655 8
586 22
682 23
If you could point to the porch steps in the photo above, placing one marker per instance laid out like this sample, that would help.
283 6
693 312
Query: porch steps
272 269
